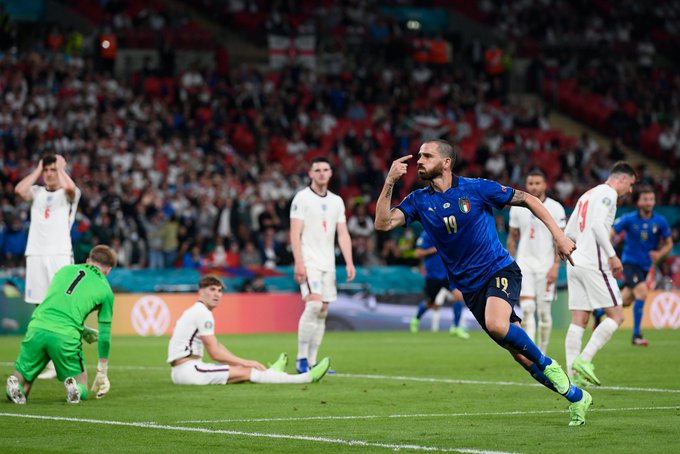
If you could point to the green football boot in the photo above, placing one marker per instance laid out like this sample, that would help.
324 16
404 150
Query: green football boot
459 332
557 377
577 410
579 381
280 363
587 369
415 324
317 372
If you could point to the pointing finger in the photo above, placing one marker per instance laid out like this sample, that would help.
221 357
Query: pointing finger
404 158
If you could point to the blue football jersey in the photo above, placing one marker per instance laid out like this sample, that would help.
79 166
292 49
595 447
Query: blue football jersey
642 235
434 267
461 225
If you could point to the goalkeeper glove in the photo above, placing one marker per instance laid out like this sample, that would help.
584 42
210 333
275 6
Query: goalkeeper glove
90 335
101 384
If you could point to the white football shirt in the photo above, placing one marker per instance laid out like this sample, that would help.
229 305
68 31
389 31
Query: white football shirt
52 216
535 250
320 214
186 340
589 227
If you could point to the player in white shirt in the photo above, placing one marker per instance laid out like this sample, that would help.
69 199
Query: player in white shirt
315 216
591 280
531 243
53 211
195 331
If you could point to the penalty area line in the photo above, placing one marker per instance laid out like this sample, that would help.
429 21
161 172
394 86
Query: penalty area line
328 440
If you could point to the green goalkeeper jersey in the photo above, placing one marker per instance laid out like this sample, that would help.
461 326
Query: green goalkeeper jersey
75 291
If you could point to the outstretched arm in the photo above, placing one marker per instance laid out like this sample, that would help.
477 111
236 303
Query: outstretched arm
564 245
386 217
220 353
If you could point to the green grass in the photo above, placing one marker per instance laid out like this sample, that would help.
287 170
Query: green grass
392 390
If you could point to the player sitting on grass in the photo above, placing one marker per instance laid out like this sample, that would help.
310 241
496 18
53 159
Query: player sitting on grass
196 329
56 327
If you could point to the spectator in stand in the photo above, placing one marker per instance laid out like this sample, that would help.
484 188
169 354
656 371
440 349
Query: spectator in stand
249 256
360 224
193 258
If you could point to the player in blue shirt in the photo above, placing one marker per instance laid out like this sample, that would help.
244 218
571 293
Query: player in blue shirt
437 289
647 240
457 213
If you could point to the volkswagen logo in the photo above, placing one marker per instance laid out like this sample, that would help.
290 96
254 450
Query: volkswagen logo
150 316
665 310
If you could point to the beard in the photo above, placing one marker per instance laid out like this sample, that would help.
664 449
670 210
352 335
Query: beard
436 171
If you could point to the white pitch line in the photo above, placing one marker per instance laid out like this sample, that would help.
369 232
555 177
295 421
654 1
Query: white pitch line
458 381
340 441
496 383
422 415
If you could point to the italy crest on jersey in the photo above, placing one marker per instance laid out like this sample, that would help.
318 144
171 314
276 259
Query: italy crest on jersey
464 204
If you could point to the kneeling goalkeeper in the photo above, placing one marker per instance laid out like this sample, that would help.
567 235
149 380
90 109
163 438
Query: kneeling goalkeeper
57 328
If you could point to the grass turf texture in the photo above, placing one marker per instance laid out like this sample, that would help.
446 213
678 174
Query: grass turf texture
393 390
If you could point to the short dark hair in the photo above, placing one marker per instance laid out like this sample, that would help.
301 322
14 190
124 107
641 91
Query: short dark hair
622 167
446 150
103 255
210 279
641 189
536 173
320 159
49 158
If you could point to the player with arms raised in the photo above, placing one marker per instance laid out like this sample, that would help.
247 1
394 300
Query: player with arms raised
56 327
315 216
53 211
457 214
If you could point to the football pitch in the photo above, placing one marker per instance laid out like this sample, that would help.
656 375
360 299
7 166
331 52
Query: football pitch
393 391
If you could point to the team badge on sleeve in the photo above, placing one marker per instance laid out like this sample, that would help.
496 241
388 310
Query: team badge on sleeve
464 204
208 325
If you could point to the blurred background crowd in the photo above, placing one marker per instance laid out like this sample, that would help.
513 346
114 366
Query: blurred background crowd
188 125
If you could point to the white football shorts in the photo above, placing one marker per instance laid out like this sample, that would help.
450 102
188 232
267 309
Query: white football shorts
591 289
196 372
39 272
321 283
536 285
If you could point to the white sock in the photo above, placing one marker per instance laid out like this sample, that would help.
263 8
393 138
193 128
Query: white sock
435 320
307 327
317 337
544 324
572 345
529 317
275 376
600 336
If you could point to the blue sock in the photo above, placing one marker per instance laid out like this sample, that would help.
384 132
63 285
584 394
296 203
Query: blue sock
574 394
518 339
638 307
422 308
457 312
598 313
540 377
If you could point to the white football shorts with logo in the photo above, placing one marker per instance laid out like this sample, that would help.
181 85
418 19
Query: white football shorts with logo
196 372
536 285
40 270
321 283
591 289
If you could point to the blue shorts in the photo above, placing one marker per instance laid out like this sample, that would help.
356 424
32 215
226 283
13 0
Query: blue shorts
506 284
634 274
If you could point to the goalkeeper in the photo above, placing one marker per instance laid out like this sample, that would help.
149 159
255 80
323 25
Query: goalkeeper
57 327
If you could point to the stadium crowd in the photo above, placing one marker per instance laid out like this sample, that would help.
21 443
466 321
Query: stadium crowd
198 169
